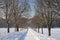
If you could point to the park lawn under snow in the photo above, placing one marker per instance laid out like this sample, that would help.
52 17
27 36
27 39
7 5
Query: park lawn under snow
55 33
28 34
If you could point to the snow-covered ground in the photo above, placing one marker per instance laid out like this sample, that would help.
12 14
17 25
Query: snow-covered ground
28 34
55 33
39 36
3 31
14 35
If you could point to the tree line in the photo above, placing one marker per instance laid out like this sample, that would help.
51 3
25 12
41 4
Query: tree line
15 13
46 12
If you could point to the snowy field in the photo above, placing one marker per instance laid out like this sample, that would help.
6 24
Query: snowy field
3 31
30 34
55 33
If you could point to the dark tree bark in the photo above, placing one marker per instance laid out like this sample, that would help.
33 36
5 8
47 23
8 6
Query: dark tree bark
42 30
17 28
49 31
8 28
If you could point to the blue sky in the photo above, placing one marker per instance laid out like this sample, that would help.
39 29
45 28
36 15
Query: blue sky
32 4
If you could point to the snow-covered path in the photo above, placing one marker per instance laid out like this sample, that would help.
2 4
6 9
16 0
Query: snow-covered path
14 35
32 35
27 34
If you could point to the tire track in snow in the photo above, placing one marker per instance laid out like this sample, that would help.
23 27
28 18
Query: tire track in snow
13 36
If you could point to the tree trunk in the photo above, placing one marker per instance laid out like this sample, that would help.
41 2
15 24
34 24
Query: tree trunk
42 30
17 28
8 27
49 31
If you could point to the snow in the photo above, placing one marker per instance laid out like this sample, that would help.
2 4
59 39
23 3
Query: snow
55 33
31 36
40 36
3 31
14 35
26 34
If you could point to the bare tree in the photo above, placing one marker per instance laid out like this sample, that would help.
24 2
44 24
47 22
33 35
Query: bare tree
46 9
37 21
6 3
40 10
18 11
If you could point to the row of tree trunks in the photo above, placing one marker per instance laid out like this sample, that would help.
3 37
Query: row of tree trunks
12 7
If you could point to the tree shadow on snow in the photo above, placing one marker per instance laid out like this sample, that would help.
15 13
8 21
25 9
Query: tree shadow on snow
23 36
